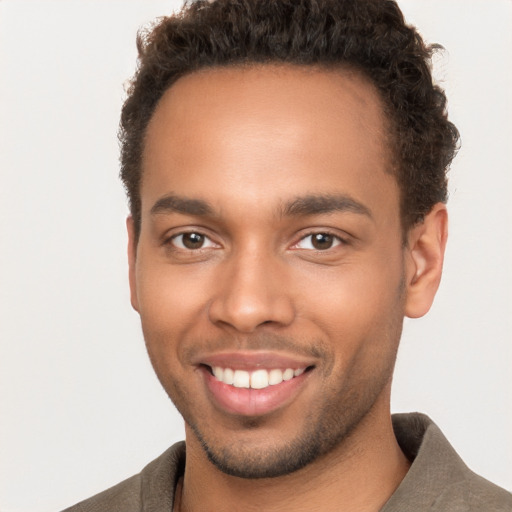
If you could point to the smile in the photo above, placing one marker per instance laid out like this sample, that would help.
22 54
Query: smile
257 379
254 382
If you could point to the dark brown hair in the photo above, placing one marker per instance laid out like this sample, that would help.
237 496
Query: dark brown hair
367 35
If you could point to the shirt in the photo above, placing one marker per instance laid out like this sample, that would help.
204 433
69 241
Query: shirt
438 480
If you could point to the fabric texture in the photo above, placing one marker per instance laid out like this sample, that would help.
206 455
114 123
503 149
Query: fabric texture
438 480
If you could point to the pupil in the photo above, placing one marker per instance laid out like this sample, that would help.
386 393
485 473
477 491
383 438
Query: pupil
322 241
193 240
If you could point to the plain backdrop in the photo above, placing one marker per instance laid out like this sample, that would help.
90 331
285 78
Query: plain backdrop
80 408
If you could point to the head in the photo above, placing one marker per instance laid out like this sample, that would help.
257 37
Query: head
285 163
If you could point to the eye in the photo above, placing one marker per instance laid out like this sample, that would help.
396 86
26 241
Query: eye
191 241
319 241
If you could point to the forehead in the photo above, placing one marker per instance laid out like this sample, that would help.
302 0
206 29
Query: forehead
266 131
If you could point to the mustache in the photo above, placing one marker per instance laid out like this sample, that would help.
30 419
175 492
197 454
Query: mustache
257 342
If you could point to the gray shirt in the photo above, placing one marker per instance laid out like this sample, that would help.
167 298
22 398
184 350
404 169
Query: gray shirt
438 480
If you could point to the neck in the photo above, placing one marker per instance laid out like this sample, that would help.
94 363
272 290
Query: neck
359 475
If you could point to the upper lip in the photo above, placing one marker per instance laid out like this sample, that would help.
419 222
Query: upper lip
253 360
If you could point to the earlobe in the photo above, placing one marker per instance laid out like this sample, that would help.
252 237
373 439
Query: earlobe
424 261
132 256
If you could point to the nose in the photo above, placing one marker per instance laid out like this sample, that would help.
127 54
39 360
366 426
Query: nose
252 292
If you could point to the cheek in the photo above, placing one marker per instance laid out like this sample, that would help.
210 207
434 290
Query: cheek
169 294
353 292
171 307
359 308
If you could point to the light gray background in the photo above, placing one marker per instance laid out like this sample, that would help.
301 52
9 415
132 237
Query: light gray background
80 408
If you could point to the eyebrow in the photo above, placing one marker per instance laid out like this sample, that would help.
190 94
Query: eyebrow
177 204
300 206
318 204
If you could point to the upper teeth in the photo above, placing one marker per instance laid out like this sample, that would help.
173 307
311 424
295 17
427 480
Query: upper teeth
258 379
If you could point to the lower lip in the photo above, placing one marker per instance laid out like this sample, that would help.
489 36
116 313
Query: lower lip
253 402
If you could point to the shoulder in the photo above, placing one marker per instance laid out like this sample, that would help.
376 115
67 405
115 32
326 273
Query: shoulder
151 489
472 493
484 495
438 480
122 497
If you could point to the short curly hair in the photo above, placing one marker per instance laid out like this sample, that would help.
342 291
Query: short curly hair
370 36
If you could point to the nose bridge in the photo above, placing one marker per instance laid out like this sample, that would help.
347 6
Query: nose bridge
252 291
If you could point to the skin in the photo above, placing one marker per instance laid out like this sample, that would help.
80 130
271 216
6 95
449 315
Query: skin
236 155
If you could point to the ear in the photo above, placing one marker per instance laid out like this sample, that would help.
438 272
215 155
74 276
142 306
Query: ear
132 258
424 261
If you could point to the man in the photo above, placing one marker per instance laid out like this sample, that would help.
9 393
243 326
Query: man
285 163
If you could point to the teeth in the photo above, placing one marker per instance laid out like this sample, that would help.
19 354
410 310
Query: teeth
258 379
228 377
218 372
275 377
288 374
242 379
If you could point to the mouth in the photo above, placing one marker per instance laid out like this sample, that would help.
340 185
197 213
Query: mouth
248 389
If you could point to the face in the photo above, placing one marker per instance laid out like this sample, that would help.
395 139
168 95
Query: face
269 272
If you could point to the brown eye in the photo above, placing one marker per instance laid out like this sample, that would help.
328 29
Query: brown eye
319 241
191 241
322 241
